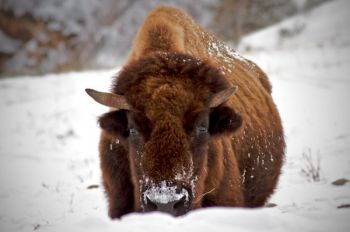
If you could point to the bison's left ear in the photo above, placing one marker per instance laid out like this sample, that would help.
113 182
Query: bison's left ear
223 119
222 96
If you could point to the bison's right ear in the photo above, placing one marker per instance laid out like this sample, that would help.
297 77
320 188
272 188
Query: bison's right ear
109 99
115 122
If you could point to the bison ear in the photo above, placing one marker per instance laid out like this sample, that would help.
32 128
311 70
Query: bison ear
115 122
223 119
109 99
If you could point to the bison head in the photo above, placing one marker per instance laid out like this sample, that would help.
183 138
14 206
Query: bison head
167 111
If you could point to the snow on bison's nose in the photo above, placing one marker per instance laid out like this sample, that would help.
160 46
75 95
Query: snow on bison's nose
167 199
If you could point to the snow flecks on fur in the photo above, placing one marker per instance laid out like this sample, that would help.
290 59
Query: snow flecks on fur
225 53
243 176
183 174
193 184
234 54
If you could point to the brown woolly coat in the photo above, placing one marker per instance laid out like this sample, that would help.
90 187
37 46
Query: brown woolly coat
250 160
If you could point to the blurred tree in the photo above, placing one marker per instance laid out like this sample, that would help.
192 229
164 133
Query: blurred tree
40 36
229 18
234 18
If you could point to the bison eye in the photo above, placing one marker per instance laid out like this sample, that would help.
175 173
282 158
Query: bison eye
201 130
133 131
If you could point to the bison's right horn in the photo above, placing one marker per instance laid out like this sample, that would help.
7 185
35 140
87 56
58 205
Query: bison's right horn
109 99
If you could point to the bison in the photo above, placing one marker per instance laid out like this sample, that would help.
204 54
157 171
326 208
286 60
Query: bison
191 124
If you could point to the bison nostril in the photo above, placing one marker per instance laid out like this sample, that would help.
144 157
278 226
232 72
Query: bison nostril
180 204
150 206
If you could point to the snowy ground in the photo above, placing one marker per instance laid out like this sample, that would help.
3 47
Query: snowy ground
48 146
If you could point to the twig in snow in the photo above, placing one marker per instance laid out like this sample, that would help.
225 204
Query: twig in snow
93 186
344 206
36 227
312 167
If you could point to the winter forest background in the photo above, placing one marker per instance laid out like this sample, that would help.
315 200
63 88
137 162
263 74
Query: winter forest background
51 50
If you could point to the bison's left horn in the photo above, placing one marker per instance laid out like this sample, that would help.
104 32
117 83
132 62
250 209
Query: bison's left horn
221 97
109 99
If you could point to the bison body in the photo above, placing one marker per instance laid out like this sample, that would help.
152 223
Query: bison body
192 124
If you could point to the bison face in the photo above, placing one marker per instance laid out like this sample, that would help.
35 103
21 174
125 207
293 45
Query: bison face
169 151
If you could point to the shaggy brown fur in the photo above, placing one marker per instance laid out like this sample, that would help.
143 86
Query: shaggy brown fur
174 68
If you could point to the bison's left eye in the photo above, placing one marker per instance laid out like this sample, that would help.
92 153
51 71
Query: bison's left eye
201 130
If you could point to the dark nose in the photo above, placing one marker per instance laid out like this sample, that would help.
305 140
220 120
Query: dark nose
175 208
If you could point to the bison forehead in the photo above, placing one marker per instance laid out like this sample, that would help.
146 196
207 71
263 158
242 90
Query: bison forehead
172 97
157 95
170 91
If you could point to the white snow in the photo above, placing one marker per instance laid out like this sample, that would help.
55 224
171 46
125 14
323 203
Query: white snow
49 139
327 25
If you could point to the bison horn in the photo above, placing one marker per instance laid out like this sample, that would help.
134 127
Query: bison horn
222 96
109 99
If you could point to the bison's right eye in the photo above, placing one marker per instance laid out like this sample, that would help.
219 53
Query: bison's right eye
133 132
